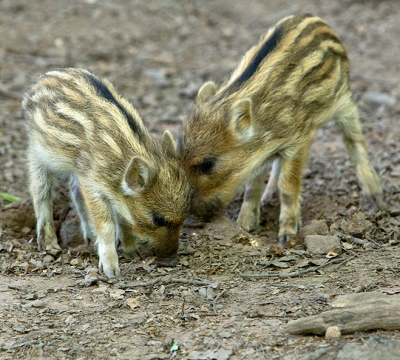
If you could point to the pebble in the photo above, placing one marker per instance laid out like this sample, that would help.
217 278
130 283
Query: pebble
319 244
203 291
92 269
210 293
70 320
316 227
100 290
378 98
332 332
48 259
26 230
76 261
158 76
38 304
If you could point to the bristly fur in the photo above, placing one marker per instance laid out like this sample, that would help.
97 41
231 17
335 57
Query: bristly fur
79 126
287 86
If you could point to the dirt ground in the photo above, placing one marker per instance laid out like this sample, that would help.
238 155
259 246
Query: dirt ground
158 53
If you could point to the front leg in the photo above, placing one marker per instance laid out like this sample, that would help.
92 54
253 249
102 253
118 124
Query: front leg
289 192
249 215
127 239
101 214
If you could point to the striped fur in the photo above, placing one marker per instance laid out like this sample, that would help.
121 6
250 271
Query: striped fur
123 184
287 86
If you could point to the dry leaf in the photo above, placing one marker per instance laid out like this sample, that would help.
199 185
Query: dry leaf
133 303
275 250
332 253
117 294
347 246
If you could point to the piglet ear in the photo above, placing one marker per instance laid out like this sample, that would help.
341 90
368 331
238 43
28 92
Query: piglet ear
168 144
241 120
206 91
137 176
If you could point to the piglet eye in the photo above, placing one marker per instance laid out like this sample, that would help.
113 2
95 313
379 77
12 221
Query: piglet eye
159 221
205 167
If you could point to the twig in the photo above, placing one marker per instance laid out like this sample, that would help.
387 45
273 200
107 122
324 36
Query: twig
344 262
292 274
186 281
183 308
376 243
27 343
165 282
216 299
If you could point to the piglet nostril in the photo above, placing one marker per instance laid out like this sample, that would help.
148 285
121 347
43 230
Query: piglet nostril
171 261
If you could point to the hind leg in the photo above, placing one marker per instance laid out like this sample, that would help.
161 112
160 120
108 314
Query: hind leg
348 122
272 185
81 209
41 188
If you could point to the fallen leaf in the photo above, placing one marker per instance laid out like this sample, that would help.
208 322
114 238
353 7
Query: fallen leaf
175 346
133 303
10 198
347 246
332 253
117 294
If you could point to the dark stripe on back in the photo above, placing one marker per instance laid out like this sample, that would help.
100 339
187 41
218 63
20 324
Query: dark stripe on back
265 50
103 91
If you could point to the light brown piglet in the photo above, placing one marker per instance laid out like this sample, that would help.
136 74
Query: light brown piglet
286 87
122 183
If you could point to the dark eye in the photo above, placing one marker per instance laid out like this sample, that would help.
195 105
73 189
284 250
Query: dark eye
205 167
159 221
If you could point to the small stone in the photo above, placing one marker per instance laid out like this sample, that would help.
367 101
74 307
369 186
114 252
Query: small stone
74 262
70 320
100 290
38 304
48 259
281 265
225 334
378 98
89 281
159 76
316 227
319 244
92 269
203 291
210 293
37 263
92 274
54 252
85 327
64 258
395 172
26 230
184 262
332 332
30 297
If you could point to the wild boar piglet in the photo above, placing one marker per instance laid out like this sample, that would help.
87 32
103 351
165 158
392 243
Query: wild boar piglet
123 184
286 87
